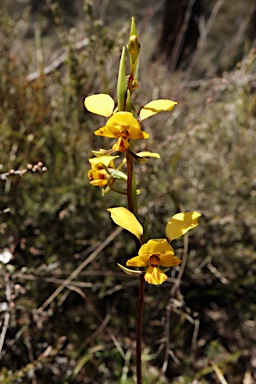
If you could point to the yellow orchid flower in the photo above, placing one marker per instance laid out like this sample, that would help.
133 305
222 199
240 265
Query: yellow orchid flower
103 168
124 127
103 105
98 175
156 252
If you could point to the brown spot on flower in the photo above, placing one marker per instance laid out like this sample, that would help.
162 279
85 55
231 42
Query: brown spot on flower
154 261
124 133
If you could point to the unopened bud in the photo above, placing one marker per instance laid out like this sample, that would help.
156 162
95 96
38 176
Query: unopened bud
121 83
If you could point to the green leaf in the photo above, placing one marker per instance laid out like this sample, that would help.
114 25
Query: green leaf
117 174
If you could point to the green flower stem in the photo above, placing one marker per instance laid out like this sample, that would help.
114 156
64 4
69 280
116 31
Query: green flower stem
117 190
132 205
131 186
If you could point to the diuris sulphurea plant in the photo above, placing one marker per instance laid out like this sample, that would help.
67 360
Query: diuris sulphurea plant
113 166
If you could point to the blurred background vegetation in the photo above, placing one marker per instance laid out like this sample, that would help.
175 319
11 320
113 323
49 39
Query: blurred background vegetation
67 312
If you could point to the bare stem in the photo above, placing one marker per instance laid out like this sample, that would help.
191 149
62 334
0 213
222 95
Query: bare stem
132 205
139 329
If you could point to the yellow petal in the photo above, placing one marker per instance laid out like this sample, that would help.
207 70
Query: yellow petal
127 220
169 261
98 178
155 107
148 154
99 183
122 145
137 134
111 131
180 224
123 119
155 276
100 104
138 261
156 247
106 160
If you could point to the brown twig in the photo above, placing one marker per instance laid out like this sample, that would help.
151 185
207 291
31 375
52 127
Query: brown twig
7 313
38 167
87 261
49 352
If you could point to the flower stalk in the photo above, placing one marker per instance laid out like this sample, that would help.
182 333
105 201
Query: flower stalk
131 185
132 206
139 325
